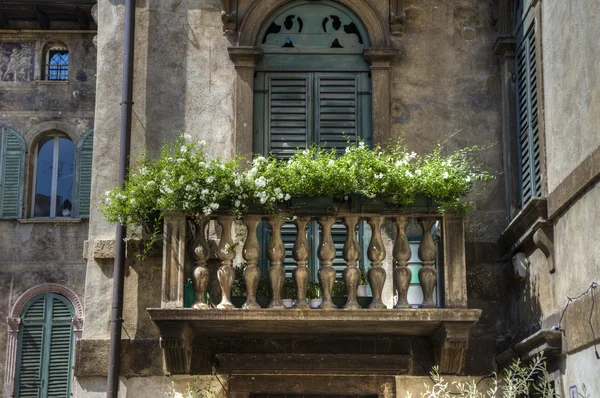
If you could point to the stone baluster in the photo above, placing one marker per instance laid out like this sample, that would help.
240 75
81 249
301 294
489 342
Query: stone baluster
427 254
251 254
226 253
201 273
300 252
376 254
351 253
276 255
401 254
326 255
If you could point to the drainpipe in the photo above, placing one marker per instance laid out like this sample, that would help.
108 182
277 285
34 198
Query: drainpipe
116 322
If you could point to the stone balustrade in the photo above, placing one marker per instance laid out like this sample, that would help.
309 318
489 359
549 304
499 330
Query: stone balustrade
182 236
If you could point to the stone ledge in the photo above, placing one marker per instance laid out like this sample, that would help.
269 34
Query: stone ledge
521 229
179 328
139 358
547 341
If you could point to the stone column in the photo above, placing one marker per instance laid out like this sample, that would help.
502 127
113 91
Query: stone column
201 273
401 254
251 254
380 59
427 254
276 255
11 356
351 253
455 263
300 252
326 255
376 254
244 60
174 250
226 253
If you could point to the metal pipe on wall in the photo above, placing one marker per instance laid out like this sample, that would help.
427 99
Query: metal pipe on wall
114 353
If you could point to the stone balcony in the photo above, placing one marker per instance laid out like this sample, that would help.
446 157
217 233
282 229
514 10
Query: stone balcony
442 316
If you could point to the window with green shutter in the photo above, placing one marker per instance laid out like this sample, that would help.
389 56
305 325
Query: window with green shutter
12 167
83 178
312 86
527 106
45 348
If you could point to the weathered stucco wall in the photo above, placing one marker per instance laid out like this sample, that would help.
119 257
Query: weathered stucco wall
571 89
32 254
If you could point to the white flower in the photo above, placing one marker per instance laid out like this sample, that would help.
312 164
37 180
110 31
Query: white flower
330 163
201 164
305 152
378 176
143 170
347 149
151 183
107 193
214 206
132 201
408 173
202 143
222 167
413 155
361 144
468 179
418 172
379 153
287 196
260 181
210 179
183 149
402 162
180 160
187 137
204 192
238 182
445 175
237 203
258 160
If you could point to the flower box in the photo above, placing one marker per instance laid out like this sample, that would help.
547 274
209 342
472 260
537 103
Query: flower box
382 204
313 205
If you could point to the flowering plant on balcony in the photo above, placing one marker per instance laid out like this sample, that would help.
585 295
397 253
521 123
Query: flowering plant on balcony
182 178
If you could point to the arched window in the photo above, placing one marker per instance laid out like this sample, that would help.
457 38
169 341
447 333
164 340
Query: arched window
45 349
54 176
56 63
312 86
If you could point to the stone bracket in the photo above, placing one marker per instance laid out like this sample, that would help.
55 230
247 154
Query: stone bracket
543 238
397 17
451 343
229 17
176 341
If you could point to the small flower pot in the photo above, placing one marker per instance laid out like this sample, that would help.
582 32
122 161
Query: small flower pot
238 301
362 291
315 303
288 303
313 205
339 301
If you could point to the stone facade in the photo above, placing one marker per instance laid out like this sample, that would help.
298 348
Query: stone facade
442 72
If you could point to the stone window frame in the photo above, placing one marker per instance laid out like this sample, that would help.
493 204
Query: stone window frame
247 53
14 326
45 58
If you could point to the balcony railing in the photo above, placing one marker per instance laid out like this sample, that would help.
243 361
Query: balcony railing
186 252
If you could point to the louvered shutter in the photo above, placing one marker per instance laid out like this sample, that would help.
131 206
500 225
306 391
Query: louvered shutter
83 181
45 349
527 113
12 167
60 348
288 119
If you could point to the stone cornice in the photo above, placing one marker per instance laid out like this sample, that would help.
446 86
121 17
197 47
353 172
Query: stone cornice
504 45
245 56
380 57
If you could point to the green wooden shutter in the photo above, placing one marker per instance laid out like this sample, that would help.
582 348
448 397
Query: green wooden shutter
527 115
288 113
12 167
83 181
45 348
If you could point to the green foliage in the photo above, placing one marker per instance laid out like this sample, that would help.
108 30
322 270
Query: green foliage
313 291
364 280
239 286
289 289
182 178
519 380
339 289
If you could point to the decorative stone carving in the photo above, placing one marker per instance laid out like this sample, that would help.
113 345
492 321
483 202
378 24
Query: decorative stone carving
351 253
17 61
300 252
229 17
401 254
397 17
251 254
201 273
326 255
276 255
543 239
226 254
427 254
451 343
376 254
176 340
